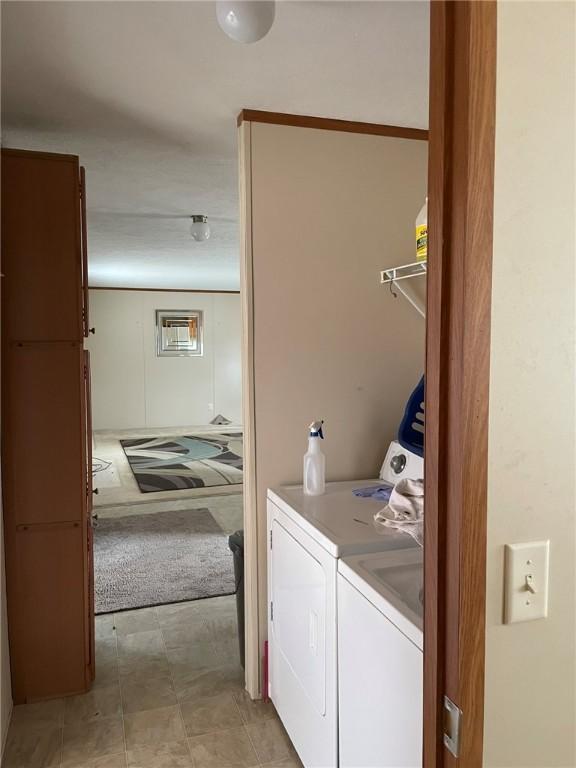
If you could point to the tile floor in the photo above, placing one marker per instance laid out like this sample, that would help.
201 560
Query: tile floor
117 485
169 693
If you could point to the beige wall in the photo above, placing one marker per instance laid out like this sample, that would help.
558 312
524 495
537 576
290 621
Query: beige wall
328 211
530 667
133 388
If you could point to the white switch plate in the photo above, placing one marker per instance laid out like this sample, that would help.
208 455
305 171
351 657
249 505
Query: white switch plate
526 581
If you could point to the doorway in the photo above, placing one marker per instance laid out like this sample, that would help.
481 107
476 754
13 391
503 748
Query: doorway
168 482
457 72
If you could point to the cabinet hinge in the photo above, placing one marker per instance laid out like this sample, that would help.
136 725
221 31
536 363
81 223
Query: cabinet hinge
452 723
270 538
271 611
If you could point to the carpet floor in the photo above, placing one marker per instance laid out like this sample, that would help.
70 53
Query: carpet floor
188 461
165 557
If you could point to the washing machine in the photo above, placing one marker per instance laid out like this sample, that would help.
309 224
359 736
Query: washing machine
306 538
380 661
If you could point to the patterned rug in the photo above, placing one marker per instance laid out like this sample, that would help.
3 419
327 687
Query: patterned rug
158 558
191 461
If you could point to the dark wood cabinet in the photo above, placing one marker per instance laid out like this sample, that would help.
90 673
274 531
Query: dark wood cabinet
46 436
49 649
42 247
44 448
91 640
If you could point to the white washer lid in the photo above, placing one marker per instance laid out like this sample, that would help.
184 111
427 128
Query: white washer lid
392 582
343 524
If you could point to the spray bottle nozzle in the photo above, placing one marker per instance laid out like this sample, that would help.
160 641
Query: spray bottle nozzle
316 429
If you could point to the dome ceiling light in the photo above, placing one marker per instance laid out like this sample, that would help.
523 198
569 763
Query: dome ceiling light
245 21
200 229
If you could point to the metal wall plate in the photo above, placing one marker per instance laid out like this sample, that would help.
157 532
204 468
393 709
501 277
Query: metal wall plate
452 723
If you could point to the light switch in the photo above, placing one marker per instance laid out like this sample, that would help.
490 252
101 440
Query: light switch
526 581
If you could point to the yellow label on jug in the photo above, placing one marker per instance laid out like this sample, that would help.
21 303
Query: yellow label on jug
422 242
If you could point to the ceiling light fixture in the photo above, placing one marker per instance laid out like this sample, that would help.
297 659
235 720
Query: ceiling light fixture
245 21
200 229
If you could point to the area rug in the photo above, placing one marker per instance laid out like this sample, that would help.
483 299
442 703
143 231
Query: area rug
190 461
163 557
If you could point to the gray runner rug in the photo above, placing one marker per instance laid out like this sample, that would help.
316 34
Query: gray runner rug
160 557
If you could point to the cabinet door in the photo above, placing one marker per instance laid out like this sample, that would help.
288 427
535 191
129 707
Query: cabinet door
379 687
302 639
90 522
299 595
41 247
44 444
48 623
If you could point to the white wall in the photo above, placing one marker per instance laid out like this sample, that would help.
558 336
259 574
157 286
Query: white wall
530 668
134 388
227 356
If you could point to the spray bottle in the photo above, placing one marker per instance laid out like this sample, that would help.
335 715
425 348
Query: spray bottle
314 462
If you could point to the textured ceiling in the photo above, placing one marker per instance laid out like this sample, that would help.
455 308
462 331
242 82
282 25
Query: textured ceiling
147 93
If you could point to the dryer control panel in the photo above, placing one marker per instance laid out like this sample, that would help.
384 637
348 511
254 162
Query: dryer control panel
400 463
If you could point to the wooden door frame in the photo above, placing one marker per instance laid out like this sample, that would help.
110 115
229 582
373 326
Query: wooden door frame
460 224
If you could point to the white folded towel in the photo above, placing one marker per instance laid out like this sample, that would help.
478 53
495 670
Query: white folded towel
405 509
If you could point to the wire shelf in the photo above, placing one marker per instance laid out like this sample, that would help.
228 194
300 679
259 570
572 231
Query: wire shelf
395 274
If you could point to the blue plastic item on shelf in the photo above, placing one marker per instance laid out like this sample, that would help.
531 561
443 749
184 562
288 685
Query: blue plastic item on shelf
411 431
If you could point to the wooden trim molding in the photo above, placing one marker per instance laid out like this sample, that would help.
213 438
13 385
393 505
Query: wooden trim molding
32 154
159 290
330 124
460 225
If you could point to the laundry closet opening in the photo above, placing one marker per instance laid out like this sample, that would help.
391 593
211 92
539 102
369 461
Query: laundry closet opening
335 305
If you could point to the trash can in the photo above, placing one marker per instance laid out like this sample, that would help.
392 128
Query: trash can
236 544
